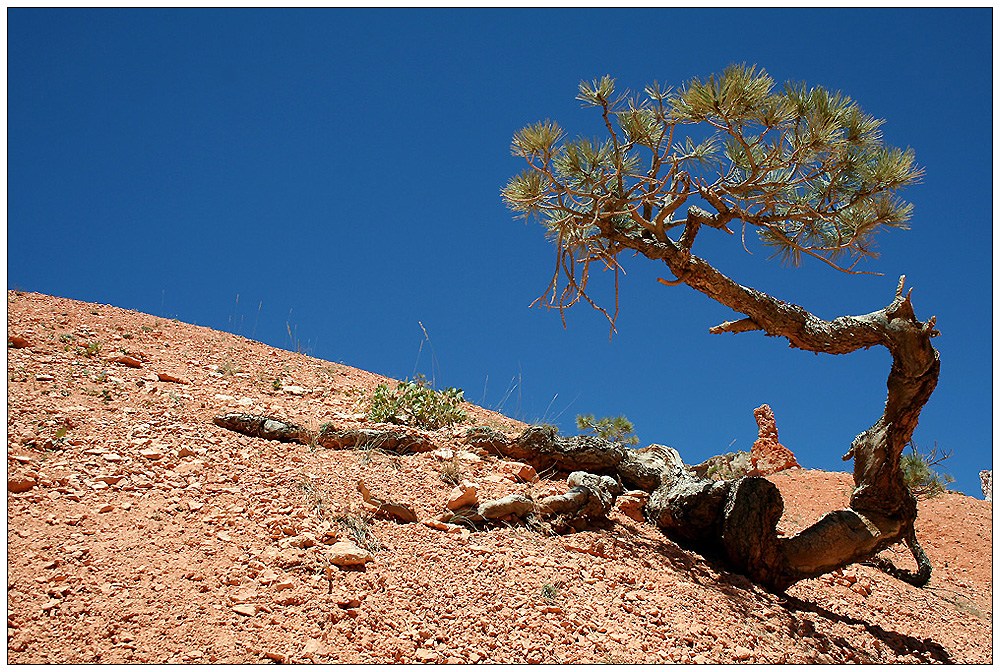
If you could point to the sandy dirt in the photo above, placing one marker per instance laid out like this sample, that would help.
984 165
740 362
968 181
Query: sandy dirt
138 531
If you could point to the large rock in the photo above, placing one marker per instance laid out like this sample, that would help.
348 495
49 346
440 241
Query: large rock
516 505
348 554
986 478
20 483
487 439
767 455
463 495
633 504
517 472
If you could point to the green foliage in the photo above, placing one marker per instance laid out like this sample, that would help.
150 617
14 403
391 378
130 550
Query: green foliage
618 429
550 591
90 350
415 403
804 167
919 474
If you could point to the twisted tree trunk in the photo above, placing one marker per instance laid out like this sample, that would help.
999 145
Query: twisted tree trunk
741 515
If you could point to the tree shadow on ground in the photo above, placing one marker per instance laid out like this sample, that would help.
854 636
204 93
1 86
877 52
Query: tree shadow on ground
926 650
708 568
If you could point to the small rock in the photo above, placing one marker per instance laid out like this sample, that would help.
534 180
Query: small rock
312 647
632 503
167 378
151 453
184 451
293 389
20 483
268 576
110 480
304 540
127 361
44 377
277 657
113 457
284 584
347 553
438 525
742 653
464 494
17 342
192 467
106 508
518 471
425 655
348 602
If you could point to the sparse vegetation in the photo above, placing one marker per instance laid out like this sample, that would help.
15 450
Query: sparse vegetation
415 403
358 523
451 471
919 474
550 591
724 472
90 350
617 429
228 368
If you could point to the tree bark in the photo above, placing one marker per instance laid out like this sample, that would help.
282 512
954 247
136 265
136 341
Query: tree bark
741 515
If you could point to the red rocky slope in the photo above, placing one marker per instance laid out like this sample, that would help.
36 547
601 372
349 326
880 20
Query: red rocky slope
138 531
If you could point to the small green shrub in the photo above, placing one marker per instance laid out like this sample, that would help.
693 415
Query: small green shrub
415 403
550 591
919 475
618 429
90 350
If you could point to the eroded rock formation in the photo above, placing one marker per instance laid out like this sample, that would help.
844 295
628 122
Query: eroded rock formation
768 456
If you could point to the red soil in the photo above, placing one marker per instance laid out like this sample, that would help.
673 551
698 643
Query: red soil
203 554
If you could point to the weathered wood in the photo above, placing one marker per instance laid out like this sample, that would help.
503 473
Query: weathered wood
264 427
395 440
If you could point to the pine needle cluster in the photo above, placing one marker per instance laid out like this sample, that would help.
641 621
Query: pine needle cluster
803 167
618 429
919 474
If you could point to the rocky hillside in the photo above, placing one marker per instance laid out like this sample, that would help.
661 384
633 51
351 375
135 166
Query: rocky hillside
140 531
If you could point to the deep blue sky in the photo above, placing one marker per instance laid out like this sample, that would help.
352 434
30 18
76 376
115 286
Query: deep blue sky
341 170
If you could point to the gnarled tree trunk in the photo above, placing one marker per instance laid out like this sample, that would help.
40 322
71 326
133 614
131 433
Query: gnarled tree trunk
882 509
740 516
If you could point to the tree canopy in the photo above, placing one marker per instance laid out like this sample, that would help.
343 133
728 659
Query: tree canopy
802 167
806 170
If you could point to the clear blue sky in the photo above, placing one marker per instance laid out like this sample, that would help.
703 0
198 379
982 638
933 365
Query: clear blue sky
341 170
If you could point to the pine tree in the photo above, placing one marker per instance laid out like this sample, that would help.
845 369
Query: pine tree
805 170
618 429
